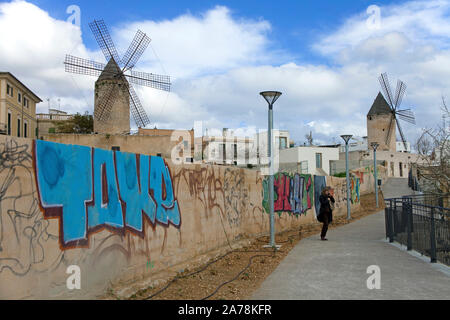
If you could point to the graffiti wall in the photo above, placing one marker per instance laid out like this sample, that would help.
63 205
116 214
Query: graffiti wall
113 190
293 193
366 177
128 219
297 193
120 217
340 193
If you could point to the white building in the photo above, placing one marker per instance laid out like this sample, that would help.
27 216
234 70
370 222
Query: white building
400 147
229 149
308 160
362 145
281 139
355 145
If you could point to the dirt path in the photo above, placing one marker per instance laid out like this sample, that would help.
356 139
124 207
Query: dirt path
237 274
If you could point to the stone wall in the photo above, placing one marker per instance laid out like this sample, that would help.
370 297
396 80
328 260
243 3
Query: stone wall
126 218
143 144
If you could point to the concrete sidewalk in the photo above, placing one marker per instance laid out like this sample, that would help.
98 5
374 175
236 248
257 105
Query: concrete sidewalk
396 188
336 269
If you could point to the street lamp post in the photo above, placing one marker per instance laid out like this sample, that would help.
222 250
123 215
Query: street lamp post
374 146
346 138
271 97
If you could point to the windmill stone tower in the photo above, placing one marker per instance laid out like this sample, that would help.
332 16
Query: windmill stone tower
119 120
379 119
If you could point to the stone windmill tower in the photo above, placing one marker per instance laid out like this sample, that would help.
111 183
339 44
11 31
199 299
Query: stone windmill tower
379 123
114 93
119 120
382 116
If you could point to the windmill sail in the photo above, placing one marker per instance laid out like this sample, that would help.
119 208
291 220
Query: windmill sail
394 103
113 71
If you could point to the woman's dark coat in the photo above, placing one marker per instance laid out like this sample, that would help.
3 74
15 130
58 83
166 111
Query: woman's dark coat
325 207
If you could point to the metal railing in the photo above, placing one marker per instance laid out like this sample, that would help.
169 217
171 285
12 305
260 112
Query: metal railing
421 223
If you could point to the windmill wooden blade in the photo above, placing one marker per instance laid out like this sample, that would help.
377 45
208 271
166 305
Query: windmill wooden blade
399 92
104 40
138 112
83 66
149 80
402 135
406 115
135 50
103 110
386 87
388 135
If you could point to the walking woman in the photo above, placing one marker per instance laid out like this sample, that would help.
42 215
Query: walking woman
326 200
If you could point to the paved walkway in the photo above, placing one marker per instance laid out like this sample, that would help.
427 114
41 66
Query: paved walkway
396 187
337 269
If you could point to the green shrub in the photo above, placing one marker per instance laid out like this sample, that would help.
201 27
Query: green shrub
340 175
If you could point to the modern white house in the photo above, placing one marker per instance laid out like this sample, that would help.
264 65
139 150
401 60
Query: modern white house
308 159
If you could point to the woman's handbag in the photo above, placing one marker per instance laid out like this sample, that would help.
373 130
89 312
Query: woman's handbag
320 217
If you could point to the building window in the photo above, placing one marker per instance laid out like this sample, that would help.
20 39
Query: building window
319 160
303 167
19 97
25 102
9 90
283 143
18 127
222 152
115 148
235 151
25 129
9 123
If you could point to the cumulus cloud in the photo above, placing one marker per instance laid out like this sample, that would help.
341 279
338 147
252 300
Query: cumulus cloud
219 63
191 46
33 46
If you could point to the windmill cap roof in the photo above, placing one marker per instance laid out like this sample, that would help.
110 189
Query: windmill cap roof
379 106
110 70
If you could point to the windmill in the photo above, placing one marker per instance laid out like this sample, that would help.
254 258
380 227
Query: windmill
394 103
119 70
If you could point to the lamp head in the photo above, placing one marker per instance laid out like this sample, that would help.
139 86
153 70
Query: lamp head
346 137
270 96
374 145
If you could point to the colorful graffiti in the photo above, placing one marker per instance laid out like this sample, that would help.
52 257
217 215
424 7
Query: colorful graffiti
292 193
360 175
320 182
354 187
108 189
